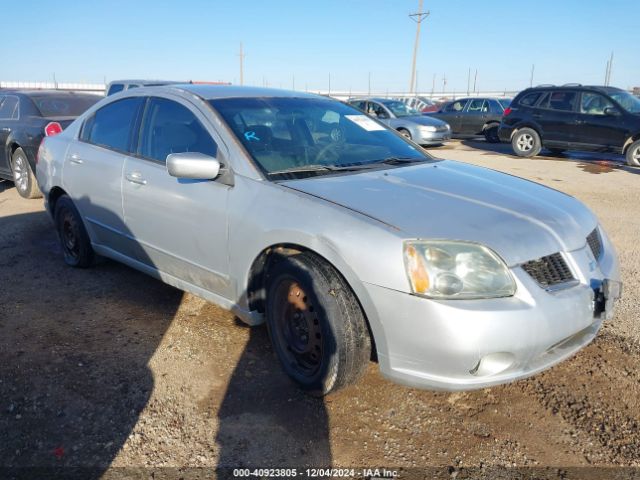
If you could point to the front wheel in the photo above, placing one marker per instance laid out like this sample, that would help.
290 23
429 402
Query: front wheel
526 143
316 324
74 240
491 134
633 154
405 133
23 177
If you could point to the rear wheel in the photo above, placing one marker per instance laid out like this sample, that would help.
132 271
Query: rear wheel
23 177
633 154
316 325
526 143
74 240
491 134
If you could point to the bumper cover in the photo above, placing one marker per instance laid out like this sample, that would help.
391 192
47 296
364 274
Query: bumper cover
469 344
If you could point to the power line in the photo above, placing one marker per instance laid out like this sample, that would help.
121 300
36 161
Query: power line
417 17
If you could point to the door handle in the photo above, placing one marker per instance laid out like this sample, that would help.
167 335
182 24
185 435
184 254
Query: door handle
6 129
136 177
74 158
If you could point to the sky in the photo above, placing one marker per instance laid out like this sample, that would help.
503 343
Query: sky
305 44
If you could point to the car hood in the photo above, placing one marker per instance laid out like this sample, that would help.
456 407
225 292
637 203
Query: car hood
520 220
423 120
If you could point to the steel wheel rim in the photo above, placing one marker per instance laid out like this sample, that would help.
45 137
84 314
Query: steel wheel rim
20 174
525 142
405 134
69 234
297 328
636 154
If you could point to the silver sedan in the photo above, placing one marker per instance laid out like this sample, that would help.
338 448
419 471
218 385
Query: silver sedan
344 237
412 124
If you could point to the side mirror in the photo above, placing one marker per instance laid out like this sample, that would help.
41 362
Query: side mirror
193 165
612 111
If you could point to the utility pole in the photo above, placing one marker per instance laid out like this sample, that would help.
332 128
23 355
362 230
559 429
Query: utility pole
468 80
607 78
475 80
444 82
433 85
241 55
533 68
417 17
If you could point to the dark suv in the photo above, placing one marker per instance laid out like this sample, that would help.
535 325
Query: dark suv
573 117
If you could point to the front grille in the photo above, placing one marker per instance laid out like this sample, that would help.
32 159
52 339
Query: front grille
595 243
549 271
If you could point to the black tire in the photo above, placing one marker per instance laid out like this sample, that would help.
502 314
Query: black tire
316 325
526 143
633 154
23 177
74 240
491 134
405 133
556 151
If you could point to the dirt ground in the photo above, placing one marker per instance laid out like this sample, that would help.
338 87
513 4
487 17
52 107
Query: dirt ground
114 372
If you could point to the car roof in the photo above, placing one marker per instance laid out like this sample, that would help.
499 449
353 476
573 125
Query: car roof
601 88
44 93
211 92
144 82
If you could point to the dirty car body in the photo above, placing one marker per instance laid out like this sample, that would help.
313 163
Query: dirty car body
466 277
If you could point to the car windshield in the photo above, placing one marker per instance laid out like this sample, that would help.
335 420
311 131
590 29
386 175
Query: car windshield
400 109
505 102
63 105
293 137
629 102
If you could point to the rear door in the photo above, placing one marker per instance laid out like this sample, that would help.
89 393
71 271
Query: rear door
92 172
595 128
557 116
9 113
179 225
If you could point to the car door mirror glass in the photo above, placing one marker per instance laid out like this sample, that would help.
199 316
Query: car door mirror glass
193 165
612 111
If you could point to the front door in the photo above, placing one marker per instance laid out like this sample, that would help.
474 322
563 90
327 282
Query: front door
597 129
179 225
452 114
474 116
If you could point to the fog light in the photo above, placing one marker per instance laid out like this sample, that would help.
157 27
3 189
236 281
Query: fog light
493 364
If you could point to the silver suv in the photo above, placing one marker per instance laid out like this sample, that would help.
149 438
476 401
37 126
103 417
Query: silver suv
345 237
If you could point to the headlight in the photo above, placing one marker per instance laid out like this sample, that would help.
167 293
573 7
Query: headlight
427 128
456 270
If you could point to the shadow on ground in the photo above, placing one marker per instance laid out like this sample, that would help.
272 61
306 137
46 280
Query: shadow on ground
590 162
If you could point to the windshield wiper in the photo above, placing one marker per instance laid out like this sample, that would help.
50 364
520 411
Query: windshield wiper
315 168
398 160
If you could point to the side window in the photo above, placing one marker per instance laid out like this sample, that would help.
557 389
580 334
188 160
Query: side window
361 105
115 88
456 107
9 107
494 107
377 110
530 99
169 127
112 125
594 103
561 100
475 105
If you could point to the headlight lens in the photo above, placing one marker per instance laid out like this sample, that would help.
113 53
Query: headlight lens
427 128
456 270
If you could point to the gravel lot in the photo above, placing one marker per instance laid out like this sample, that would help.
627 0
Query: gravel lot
108 368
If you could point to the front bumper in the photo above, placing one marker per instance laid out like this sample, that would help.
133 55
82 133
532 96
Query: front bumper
468 344
433 138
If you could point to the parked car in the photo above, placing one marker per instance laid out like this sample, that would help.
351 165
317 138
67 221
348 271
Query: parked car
26 117
343 236
473 116
573 117
120 85
422 104
408 122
